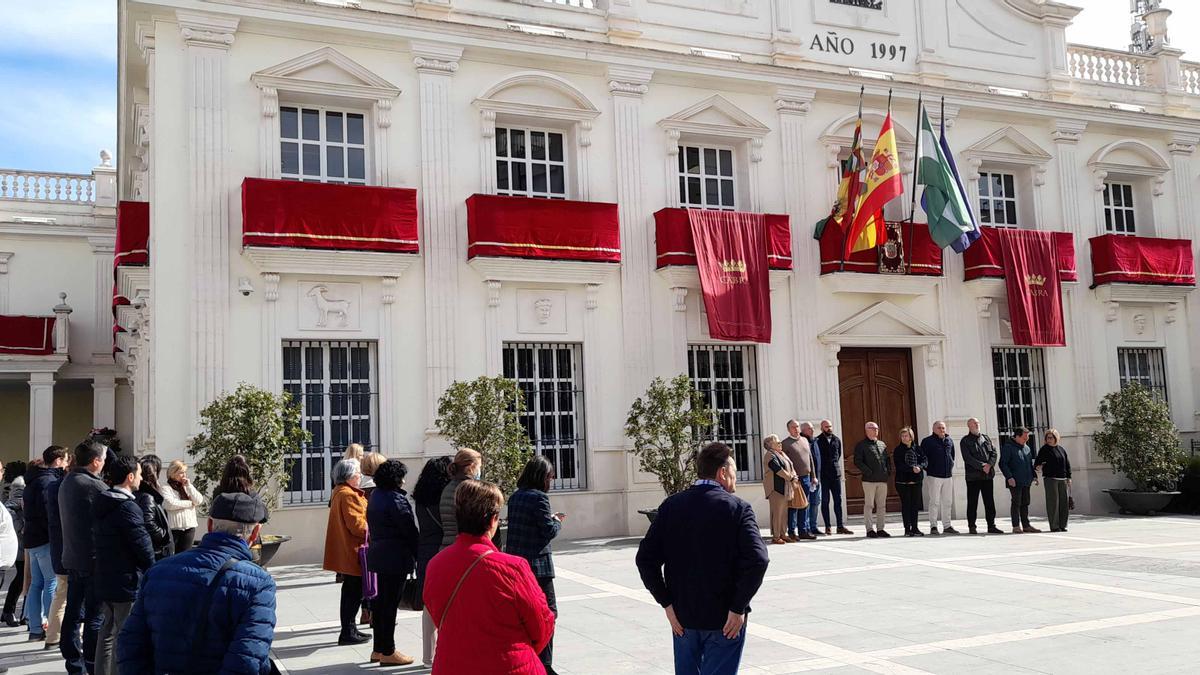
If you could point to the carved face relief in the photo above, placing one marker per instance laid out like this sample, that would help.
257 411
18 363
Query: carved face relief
542 308
1139 323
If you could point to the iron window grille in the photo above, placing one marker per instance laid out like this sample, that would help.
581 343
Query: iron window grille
335 382
1118 208
727 377
1019 378
531 163
550 377
319 144
706 177
1145 366
998 199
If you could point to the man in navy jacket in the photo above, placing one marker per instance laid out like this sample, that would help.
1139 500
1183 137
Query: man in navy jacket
939 450
703 559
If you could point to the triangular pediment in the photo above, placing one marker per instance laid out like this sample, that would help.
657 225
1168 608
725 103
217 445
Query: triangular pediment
884 322
716 114
1008 144
326 71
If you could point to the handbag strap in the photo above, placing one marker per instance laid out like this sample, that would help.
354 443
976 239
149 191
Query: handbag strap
201 630
457 586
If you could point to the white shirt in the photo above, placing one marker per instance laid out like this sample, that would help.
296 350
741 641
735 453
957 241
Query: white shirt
8 539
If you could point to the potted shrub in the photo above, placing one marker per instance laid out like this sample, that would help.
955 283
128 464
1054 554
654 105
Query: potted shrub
264 428
1140 441
667 426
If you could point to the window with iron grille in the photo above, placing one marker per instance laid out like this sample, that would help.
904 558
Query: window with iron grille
319 144
335 382
1144 365
998 199
727 376
530 163
1118 208
1019 379
551 378
706 179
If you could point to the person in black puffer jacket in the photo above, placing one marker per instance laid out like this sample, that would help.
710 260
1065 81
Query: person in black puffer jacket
123 554
427 496
150 499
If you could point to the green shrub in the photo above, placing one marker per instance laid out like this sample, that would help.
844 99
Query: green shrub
1139 439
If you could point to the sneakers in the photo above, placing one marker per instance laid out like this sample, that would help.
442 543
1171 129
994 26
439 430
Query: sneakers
871 534
882 533
355 638
842 530
950 530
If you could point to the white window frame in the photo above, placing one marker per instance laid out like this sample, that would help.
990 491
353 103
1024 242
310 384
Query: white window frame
1026 402
317 489
985 179
567 454
682 176
1151 370
747 446
529 161
325 144
1125 212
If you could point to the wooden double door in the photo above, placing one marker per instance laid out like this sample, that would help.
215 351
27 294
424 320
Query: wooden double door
876 386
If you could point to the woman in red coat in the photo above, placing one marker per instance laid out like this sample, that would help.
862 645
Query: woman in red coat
491 615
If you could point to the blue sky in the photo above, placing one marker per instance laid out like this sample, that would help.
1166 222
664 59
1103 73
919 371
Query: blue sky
58 72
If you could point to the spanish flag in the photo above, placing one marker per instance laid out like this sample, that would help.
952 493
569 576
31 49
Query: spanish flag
883 184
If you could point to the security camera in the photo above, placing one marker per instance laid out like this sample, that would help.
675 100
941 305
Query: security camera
245 287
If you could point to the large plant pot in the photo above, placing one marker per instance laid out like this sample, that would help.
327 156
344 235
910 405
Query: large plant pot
1140 503
649 513
267 547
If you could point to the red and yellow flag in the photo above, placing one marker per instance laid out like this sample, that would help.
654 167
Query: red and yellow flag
882 185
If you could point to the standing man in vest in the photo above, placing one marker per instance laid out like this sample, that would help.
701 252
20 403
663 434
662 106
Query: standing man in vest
939 450
830 447
980 456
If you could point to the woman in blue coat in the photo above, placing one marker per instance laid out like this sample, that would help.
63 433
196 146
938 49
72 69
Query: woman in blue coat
391 554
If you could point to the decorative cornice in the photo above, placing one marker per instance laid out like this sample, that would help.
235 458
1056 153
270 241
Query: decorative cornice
1068 131
426 65
145 39
879 284
205 30
557 271
793 100
628 80
102 245
337 263
1183 144
437 58
1142 293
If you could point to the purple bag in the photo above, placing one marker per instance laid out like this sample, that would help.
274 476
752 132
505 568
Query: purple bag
370 583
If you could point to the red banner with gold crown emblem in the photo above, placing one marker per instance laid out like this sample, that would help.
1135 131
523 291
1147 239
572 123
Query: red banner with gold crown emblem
731 256
1034 292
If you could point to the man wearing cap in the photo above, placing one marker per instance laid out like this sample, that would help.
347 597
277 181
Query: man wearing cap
181 621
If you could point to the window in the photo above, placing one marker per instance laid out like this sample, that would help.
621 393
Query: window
727 377
550 377
1144 366
1118 208
706 177
335 383
530 163
317 144
1020 382
998 199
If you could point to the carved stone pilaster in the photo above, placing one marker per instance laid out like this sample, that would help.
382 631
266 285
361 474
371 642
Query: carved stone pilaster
272 345
493 348
680 294
388 433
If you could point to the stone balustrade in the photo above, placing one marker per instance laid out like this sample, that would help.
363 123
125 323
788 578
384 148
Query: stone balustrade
1110 66
1190 77
44 186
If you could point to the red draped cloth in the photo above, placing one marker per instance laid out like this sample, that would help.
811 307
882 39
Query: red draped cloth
328 216
554 229
27 335
731 256
1034 291
1142 260
924 258
673 239
983 258
132 248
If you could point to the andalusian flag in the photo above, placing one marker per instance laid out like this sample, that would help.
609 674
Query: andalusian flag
946 204
883 184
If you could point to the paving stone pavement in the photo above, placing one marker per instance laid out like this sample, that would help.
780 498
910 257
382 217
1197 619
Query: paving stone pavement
1111 595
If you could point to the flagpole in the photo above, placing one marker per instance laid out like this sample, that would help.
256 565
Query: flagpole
850 199
912 205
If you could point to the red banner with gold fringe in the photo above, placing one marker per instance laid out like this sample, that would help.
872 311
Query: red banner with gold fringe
731 256
1033 286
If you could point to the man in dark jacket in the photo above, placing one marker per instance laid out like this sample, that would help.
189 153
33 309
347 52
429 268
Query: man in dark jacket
830 447
1016 463
939 452
58 604
872 459
209 609
703 559
42 582
75 496
980 457
123 554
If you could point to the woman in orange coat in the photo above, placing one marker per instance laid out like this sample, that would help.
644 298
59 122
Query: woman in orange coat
346 531
491 615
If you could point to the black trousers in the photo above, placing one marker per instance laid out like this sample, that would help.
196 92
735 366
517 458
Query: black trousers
183 539
974 489
910 504
383 614
351 599
16 587
831 490
547 655
1020 505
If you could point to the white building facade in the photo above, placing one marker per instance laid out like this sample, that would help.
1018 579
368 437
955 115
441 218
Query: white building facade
619 110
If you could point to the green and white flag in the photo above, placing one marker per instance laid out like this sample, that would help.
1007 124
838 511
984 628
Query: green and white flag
944 200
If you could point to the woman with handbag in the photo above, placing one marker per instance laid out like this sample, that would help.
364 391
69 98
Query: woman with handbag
427 496
1052 459
391 551
345 532
492 617
779 484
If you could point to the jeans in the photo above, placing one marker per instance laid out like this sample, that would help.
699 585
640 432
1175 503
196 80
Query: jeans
910 504
81 607
351 599
383 616
1020 505
808 517
707 652
41 588
115 614
1056 503
796 521
974 489
831 490
183 539
874 505
547 655
941 500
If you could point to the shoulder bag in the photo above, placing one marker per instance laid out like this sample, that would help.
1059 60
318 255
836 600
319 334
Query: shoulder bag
200 634
370 582
442 619
799 498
